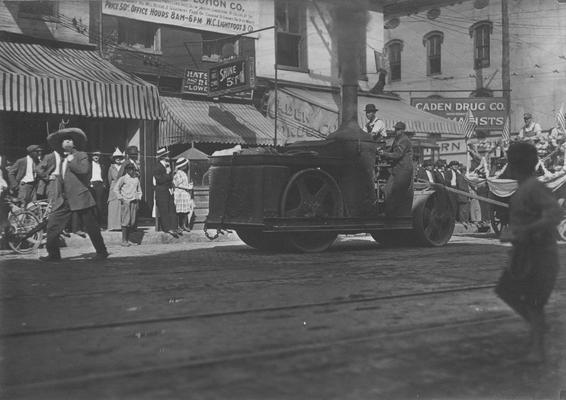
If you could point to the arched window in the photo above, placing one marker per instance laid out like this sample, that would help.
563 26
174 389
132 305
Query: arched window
394 49
481 32
433 42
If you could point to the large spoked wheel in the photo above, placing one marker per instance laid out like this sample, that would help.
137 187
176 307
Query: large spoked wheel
264 241
433 221
312 194
23 234
562 229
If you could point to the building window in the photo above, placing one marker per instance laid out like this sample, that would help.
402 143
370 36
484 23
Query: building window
217 47
139 35
433 42
43 10
394 49
291 21
481 32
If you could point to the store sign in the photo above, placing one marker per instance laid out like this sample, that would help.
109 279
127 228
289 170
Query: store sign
195 82
231 77
489 113
222 16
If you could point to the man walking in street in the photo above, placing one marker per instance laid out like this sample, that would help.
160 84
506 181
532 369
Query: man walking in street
75 172
23 175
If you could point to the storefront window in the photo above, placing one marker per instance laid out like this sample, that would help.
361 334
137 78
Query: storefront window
290 17
217 47
139 35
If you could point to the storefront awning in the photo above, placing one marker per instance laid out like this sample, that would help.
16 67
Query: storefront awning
390 111
42 79
202 121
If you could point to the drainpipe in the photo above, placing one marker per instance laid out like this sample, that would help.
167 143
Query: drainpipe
505 68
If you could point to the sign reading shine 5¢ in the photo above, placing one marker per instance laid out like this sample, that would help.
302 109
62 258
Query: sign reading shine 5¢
231 77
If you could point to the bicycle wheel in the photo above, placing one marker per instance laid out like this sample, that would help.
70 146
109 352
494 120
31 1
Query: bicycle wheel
22 235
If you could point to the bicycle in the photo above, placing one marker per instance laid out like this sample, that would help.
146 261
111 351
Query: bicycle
24 230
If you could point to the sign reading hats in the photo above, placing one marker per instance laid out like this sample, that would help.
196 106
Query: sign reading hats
78 137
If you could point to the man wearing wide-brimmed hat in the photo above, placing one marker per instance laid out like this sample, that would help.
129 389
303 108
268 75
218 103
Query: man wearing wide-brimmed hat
163 181
375 126
75 172
23 175
399 186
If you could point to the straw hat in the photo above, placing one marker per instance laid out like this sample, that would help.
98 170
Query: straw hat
75 134
117 153
181 163
161 152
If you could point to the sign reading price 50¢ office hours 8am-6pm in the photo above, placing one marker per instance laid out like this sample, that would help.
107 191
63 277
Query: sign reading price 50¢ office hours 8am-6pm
231 77
222 16
489 113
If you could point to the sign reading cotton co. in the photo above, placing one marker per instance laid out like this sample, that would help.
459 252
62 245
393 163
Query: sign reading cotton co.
489 113
223 16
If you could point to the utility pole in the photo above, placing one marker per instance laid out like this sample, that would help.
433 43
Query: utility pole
505 68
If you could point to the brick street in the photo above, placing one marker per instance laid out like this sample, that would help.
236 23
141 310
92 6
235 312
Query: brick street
223 321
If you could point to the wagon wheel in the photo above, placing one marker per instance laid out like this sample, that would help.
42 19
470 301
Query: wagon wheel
562 229
20 225
433 221
313 194
264 241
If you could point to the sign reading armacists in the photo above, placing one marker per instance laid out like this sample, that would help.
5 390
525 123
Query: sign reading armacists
489 113
223 16
231 77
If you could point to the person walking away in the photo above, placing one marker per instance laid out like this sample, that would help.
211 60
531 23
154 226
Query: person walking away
182 194
113 202
22 175
98 186
163 180
528 280
75 196
128 191
530 129
399 187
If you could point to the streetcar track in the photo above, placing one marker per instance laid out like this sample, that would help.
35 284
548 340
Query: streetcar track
355 300
244 355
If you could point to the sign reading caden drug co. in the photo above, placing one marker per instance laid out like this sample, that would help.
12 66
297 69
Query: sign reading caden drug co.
489 113
222 16
231 77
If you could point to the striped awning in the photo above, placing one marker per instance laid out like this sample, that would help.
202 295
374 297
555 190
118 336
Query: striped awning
390 111
42 79
201 121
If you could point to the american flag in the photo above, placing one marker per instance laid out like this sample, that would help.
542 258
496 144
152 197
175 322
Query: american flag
468 125
506 133
561 118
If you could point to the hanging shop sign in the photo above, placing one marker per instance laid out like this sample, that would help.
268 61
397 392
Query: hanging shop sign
222 16
231 77
195 82
489 113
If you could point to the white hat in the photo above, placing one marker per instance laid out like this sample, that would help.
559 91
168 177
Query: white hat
117 153
181 163
161 152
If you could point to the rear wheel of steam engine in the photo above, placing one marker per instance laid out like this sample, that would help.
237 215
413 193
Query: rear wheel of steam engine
433 220
264 241
311 194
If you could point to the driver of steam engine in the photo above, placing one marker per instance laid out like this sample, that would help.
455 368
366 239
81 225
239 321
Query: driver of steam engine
399 187
375 127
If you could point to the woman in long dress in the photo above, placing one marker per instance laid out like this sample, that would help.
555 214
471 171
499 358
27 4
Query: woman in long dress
113 202
182 193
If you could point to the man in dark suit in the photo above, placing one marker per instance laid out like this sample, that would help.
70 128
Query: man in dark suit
424 172
163 179
98 185
75 197
23 175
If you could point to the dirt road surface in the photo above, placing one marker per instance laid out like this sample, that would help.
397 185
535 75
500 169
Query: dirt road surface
223 321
